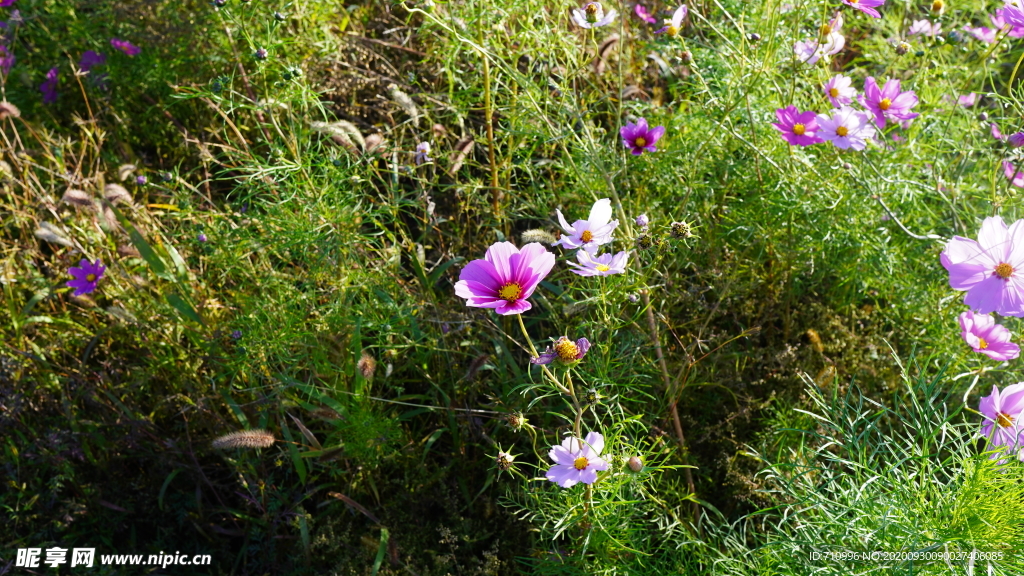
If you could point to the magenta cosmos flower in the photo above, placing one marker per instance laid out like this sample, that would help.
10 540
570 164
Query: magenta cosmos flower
846 128
674 25
643 14
839 90
866 6
888 103
999 21
990 269
981 333
125 46
592 15
505 278
600 265
565 351
1015 175
590 233
86 275
1016 139
575 463
638 137
798 128
1002 415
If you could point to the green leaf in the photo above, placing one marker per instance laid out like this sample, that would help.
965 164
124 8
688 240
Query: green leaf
163 489
381 550
184 308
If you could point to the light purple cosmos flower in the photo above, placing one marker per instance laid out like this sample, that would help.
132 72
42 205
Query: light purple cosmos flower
1016 139
982 33
600 265
590 233
846 128
592 15
981 333
798 128
565 351
49 86
86 276
840 90
999 22
807 51
505 277
1015 175
888 103
1002 416
968 100
642 220
924 27
1012 13
995 131
990 269
576 462
866 6
675 24
422 151
125 46
91 59
638 137
643 14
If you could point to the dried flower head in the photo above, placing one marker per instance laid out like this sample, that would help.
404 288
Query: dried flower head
245 439
681 230
516 421
366 365
591 397
504 461
645 241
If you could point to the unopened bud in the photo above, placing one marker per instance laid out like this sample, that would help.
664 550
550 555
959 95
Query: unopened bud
635 463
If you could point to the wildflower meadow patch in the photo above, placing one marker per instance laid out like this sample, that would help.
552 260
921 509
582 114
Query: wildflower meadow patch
417 287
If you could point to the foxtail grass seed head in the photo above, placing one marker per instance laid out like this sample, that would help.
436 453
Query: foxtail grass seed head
367 365
245 439
8 110
538 235
635 463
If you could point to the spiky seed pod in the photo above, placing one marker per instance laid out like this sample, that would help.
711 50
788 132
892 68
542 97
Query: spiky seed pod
635 463
516 421
367 366
78 198
592 397
681 230
245 439
646 241
538 235
504 461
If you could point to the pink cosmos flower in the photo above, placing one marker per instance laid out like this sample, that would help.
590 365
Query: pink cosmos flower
600 265
1015 175
982 33
675 24
981 333
866 6
1012 13
888 103
840 90
565 351
1002 416
505 278
6 3
1016 139
990 269
125 46
846 128
995 131
968 100
999 22
798 128
807 51
577 461
590 233
639 138
644 15
925 28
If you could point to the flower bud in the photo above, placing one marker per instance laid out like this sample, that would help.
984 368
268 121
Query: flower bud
642 220
902 48
635 463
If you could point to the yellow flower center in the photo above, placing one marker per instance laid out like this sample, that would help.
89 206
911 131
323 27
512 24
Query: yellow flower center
672 30
567 350
510 292
982 344
1004 270
854 1
885 104
833 92
581 463
842 131
90 277
1004 420
591 9
938 5
641 142
799 129
592 12
826 29
587 236
602 268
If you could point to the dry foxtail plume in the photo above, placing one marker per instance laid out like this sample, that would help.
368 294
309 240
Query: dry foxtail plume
245 439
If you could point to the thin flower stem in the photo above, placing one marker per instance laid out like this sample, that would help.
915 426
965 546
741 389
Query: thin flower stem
533 351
